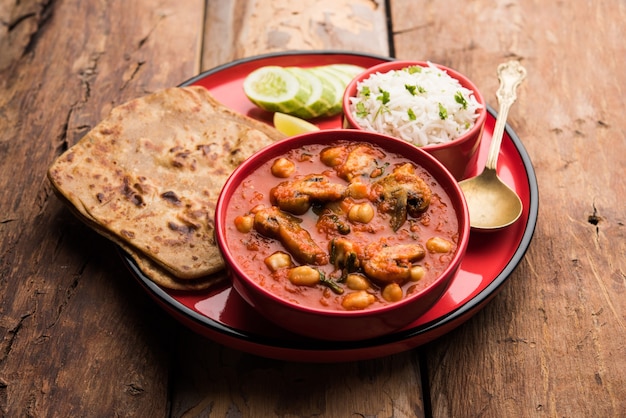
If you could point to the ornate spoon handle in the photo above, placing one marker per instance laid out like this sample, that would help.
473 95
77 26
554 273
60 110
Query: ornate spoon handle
511 75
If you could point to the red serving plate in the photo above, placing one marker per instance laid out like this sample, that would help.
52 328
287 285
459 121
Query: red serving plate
221 315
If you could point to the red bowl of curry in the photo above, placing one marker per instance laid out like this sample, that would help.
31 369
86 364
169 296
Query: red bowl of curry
341 234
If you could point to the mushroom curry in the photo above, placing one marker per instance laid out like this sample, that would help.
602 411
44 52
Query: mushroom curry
342 227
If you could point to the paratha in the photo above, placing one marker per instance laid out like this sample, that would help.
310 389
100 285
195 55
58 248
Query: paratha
149 174
164 278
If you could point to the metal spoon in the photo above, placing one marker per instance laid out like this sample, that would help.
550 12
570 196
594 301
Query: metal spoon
492 204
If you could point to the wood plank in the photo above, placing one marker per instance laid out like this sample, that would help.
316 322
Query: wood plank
551 344
78 337
241 28
214 380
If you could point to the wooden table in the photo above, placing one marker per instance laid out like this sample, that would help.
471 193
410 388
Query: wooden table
79 337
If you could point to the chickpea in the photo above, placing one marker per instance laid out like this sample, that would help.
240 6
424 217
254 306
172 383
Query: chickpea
357 282
362 212
417 273
244 223
304 276
358 300
283 168
438 245
392 292
333 156
277 261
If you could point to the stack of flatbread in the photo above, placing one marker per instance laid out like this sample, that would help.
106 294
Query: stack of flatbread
148 177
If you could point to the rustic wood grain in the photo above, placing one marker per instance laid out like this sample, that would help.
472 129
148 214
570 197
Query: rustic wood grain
240 28
217 381
552 344
78 338
226 382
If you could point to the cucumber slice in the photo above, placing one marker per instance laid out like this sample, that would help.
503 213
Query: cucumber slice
275 89
349 69
321 97
342 76
336 84
303 92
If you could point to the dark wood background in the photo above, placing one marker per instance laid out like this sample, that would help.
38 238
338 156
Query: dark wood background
78 337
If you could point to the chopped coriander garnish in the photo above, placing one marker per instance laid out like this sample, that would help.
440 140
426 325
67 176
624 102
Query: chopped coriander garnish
384 96
330 284
458 97
419 92
361 111
414 90
443 113
414 69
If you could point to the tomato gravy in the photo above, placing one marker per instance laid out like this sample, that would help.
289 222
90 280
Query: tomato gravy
346 217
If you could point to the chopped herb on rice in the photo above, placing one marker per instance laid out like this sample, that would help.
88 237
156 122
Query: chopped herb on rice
421 105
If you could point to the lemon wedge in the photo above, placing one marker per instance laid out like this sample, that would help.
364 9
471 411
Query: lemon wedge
291 125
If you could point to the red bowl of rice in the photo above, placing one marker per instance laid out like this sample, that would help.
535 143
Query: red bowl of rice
428 105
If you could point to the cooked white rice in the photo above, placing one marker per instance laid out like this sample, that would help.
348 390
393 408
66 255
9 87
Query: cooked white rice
421 105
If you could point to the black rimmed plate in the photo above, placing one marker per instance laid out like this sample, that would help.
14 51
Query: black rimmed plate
221 315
